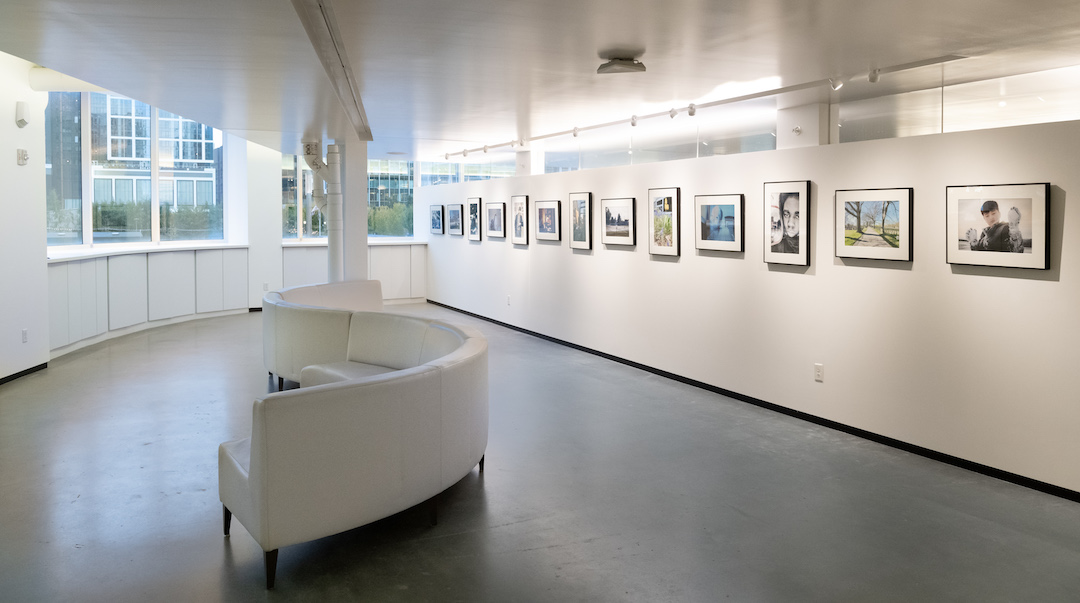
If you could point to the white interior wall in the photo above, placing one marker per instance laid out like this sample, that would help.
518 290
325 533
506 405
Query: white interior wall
23 270
974 362
263 177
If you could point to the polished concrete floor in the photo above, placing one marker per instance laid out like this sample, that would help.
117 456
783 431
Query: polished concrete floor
602 483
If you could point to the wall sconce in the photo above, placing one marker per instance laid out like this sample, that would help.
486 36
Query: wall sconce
796 130
20 114
836 83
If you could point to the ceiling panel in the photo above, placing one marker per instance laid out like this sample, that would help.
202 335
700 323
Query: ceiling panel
437 76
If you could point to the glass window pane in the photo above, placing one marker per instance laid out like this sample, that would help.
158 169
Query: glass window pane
125 190
142 128
204 192
63 169
103 190
142 190
288 196
165 192
142 149
185 192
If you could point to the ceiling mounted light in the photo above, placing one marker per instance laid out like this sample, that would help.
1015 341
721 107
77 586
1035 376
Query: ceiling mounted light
465 152
576 131
446 156
874 75
621 66
485 148
836 83
691 110
633 120
672 113
521 142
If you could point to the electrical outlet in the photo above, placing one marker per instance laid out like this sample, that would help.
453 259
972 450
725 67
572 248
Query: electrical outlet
819 373
25 335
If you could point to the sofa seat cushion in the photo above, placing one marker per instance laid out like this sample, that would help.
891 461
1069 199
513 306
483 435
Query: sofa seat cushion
345 370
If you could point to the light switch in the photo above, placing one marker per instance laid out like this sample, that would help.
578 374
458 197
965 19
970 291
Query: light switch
23 156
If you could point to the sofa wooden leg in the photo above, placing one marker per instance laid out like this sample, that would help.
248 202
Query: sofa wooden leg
270 560
482 464
226 516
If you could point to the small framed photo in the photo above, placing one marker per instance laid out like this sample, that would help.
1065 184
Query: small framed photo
620 227
787 222
581 220
519 219
436 219
720 222
474 218
547 221
664 221
454 219
495 218
874 224
998 225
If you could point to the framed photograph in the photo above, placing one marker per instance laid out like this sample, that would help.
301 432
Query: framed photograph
664 221
720 222
519 219
495 219
454 215
998 225
874 224
787 222
620 227
547 221
581 220
436 219
474 218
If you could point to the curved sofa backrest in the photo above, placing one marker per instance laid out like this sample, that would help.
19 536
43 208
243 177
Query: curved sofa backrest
426 426
363 295
399 342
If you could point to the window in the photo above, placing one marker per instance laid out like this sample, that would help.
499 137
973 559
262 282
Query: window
390 198
63 168
125 190
300 218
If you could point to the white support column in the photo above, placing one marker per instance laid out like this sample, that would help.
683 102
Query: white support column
354 183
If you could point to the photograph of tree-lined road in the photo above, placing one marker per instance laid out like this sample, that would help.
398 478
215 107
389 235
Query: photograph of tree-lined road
872 224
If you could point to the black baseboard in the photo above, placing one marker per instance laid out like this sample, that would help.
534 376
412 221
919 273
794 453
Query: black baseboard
259 309
1007 476
34 369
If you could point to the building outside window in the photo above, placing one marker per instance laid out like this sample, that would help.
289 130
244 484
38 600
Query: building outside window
125 179
63 168
390 198
300 218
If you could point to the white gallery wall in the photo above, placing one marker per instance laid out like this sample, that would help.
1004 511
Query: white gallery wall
24 284
974 362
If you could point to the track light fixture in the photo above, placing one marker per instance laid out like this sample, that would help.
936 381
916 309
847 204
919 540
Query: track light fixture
835 83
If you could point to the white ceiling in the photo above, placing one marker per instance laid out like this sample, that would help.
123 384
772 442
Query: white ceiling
440 75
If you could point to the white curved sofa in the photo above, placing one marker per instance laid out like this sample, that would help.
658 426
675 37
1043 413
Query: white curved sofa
335 456
301 323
